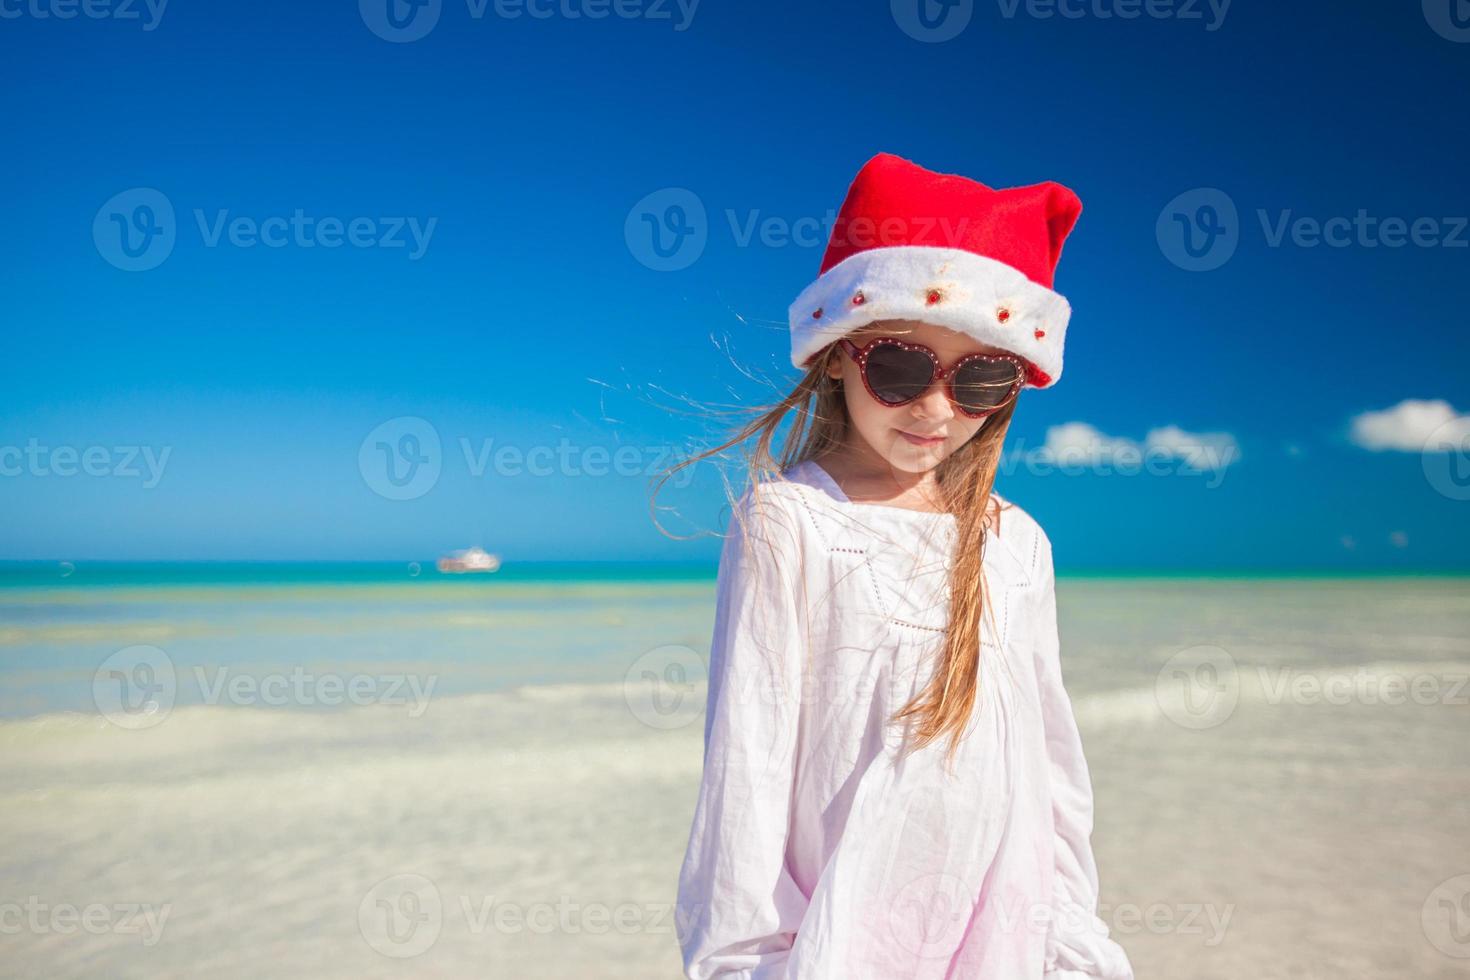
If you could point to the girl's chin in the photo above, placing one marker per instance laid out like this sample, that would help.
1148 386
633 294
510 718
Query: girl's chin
915 459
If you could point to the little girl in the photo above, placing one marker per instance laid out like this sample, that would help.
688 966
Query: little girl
894 786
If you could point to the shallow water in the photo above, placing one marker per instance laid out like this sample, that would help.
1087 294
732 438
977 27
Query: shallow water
1282 773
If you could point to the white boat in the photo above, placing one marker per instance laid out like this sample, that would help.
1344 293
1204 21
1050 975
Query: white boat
469 560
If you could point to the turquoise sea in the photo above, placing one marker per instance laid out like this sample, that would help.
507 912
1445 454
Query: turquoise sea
529 623
222 573
536 623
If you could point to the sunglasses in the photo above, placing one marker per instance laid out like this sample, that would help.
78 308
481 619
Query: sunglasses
896 372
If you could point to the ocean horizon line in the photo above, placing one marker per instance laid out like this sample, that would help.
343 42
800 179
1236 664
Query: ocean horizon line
231 571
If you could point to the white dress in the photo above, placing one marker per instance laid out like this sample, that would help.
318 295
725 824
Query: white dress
815 852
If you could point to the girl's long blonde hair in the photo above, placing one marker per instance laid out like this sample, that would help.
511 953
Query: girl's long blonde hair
819 425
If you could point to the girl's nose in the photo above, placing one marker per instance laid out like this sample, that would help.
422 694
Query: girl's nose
934 403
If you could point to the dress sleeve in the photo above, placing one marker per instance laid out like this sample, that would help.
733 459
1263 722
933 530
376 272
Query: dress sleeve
1078 946
738 907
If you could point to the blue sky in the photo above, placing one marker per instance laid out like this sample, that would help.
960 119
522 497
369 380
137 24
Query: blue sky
495 286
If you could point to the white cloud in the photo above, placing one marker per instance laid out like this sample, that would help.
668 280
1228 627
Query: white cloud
1413 426
1081 444
1201 450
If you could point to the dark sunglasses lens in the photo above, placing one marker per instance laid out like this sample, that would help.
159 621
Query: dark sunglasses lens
897 375
981 386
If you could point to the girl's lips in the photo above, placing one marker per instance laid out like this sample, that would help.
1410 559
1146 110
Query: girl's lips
920 440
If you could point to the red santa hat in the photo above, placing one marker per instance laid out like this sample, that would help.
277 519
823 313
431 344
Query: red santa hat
912 244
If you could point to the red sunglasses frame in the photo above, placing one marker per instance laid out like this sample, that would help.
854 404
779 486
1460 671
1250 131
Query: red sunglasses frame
941 373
